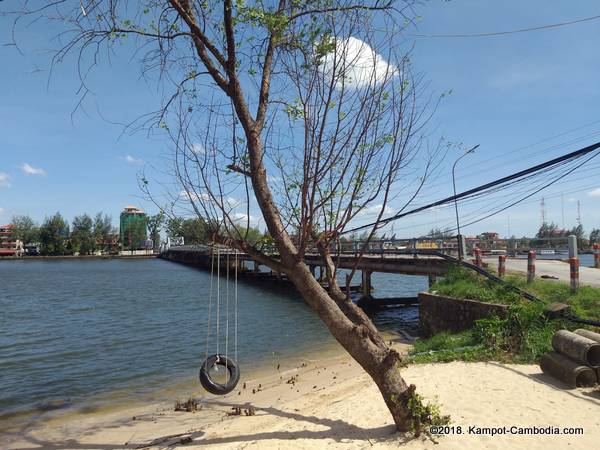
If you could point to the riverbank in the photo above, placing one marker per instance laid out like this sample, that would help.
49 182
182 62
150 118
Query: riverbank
328 401
77 257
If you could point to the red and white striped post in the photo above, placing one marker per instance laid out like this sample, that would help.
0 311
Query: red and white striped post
501 265
574 264
530 266
477 252
596 251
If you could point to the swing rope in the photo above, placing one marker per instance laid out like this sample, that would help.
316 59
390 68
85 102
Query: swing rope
217 360
210 295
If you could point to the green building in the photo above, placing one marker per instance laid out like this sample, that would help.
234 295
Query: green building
132 229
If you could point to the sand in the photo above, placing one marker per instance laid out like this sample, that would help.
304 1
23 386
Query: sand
332 404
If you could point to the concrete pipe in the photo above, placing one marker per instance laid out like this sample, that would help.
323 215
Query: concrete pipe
588 334
576 347
568 371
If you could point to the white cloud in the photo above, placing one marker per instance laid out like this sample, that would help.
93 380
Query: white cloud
193 196
30 170
131 160
595 192
374 210
358 64
198 148
242 219
4 179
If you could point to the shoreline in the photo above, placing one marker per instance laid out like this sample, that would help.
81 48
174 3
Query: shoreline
329 401
76 257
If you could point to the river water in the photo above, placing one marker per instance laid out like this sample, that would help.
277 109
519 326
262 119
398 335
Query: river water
85 334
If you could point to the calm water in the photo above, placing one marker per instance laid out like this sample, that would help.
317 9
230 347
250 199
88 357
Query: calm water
80 331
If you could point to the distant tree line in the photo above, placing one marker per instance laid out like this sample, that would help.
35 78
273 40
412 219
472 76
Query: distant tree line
551 230
86 235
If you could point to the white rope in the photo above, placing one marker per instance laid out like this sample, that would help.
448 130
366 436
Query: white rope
218 294
227 314
210 294
236 305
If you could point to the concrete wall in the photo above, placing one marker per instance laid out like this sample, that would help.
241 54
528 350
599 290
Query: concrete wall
438 313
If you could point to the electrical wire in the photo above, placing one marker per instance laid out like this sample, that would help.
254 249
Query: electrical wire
495 185
504 33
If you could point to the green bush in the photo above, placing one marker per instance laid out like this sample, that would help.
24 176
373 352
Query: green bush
524 335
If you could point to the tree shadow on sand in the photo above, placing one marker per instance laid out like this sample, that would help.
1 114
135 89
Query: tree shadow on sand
337 430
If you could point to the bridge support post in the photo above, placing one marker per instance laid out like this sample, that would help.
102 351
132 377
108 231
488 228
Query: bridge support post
366 285
256 266
530 266
596 252
312 271
432 278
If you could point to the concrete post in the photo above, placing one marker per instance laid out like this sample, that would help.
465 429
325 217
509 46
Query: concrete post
596 252
462 246
573 263
574 266
366 283
572 246
478 261
501 265
530 266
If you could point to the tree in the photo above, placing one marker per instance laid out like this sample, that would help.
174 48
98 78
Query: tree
103 232
26 229
595 236
294 89
155 224
82 236
193 230
579 232
54 235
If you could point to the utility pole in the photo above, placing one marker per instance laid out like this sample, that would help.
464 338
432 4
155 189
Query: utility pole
543 210
562 207
459 237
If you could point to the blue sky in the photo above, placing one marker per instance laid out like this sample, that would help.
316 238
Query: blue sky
508 92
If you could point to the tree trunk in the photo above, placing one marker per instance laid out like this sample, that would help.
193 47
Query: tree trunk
362 343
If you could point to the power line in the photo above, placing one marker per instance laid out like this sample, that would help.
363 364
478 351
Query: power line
523 174
503 33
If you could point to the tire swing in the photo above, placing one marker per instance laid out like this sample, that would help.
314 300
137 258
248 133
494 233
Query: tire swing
220 362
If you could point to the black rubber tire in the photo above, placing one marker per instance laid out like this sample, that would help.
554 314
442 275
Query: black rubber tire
216 388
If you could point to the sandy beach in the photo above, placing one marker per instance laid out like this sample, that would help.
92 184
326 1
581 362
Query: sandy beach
328 402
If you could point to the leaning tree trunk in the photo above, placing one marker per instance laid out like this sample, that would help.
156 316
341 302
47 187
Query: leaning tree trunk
363 343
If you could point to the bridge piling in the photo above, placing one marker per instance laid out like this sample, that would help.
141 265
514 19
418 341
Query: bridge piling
366 283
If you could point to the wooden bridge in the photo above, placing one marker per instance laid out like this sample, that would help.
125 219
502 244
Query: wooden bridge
420 263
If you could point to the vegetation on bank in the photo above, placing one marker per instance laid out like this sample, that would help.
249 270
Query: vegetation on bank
87 235
524 335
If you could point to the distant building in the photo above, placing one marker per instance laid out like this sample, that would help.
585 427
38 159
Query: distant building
132 228
9 244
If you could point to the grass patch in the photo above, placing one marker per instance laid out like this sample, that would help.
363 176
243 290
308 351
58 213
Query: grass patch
523 336
463 283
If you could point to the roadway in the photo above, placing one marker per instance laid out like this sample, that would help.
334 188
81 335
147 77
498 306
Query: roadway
551 268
